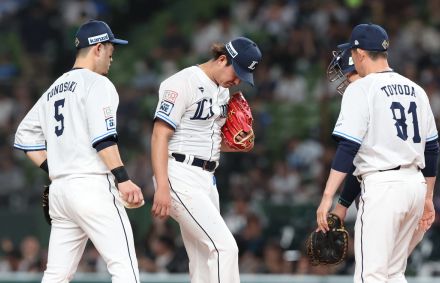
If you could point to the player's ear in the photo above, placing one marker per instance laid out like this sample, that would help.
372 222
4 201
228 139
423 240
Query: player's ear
222 59
98 48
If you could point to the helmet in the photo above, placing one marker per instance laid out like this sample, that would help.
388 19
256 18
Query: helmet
339 67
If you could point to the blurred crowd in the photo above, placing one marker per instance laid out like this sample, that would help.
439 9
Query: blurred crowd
269 195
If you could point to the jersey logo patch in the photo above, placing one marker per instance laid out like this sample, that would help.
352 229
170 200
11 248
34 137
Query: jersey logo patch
166 107
110 122
107 112
170 95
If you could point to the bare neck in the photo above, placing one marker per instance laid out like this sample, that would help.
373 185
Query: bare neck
84 63
380 65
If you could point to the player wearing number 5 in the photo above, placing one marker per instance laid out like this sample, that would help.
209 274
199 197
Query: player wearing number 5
71 133
386 129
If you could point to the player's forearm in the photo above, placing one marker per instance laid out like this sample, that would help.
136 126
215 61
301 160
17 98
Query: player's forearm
37 156
111 157
335 179
430 182
159 155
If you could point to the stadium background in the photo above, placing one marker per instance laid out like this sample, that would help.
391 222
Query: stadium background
270 195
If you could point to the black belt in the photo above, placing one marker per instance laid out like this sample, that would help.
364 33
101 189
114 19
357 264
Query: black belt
204 164
399 167
395 168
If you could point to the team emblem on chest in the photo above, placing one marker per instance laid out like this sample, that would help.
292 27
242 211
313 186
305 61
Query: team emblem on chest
204 110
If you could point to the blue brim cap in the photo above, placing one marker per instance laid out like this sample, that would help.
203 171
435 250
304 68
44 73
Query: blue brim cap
118 41
344 46
93 32
368 37
245 56
243 74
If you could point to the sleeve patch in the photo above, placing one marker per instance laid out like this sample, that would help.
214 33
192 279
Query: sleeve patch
110 122
170 95
166 107
107 112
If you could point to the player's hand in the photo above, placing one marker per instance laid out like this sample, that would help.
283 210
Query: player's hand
340 211
130 193
321 213
161 203
428 216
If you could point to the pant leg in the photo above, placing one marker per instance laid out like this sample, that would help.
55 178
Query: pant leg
409 236
212 248
385 225
97 209
198 269
67 241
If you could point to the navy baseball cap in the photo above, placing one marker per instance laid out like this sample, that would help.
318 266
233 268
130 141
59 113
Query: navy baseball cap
245 56
93 32
369 37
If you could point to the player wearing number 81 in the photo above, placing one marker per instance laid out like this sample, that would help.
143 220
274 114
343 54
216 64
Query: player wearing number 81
73 125
387 130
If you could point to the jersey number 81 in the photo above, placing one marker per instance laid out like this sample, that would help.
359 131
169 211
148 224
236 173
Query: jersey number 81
401 125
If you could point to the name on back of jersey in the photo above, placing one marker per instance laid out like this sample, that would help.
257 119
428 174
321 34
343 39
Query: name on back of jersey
60 88
397 89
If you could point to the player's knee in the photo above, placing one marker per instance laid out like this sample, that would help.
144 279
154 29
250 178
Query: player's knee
230 249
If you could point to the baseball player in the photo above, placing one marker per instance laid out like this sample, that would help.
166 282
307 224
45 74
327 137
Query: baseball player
71 133
185 150
342 68
387 130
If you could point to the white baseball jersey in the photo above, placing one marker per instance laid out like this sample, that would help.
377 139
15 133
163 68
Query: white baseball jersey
192 104
390 117
77 111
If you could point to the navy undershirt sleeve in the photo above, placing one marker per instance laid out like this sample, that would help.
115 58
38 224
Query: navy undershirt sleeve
107 142
345 153
351 189
431 159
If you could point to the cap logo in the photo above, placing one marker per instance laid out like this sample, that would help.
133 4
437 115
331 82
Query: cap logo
356 42
231 50
76 41
252 65
385 44
98 38
350 61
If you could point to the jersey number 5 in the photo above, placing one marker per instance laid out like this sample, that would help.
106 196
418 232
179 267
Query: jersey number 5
59 117
401 125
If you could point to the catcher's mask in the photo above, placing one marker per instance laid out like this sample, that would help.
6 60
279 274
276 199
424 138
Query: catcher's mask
340 66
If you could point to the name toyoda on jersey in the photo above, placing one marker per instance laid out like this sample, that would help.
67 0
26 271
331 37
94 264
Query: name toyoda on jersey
398 89
60 88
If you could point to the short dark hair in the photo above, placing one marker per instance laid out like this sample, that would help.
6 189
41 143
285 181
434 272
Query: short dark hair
219 49
377 54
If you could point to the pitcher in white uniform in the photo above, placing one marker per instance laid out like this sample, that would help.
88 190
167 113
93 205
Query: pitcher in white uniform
186 145
71 133
386 129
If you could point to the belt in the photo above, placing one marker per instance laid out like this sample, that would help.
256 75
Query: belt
204 164
395 168
402 167
391 169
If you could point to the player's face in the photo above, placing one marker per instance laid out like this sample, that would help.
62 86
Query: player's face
226 76
105 58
